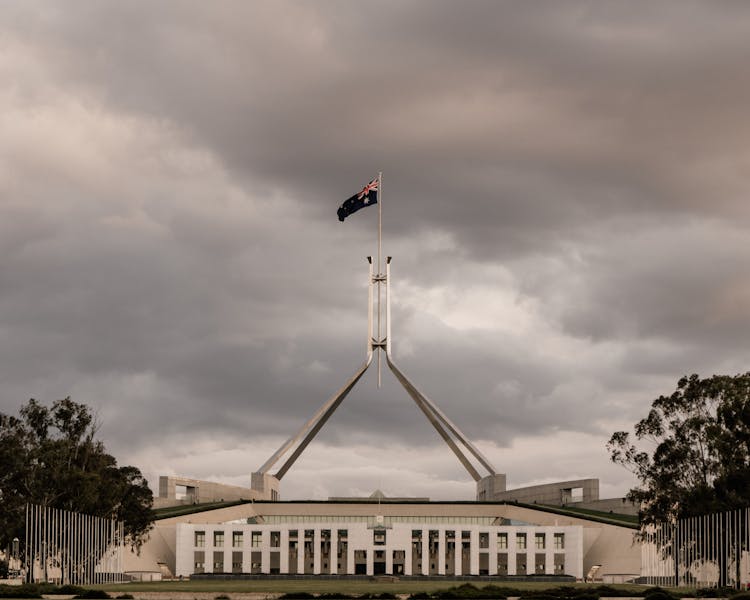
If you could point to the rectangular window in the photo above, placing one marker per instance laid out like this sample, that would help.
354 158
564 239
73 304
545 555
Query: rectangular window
218 562
199 562
236 562
255 539
559 541
539 541
559 564
275 539
218 539
200 539
502 563
484 539
236 539
255 562
378 537
539 564
520 564
521 542
502 541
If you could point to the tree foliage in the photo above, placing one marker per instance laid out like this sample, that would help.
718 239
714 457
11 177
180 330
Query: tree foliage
51 457
699 456
692 458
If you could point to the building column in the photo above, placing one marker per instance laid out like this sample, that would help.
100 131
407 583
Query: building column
474 552
246 549
425 552
316 551
407 558
301 550
350 554
333 553
265 552
493 552
284 551
442 549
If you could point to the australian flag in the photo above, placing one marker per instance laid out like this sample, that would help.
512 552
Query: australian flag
368 196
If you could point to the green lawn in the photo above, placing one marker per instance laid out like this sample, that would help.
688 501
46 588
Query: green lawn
319 586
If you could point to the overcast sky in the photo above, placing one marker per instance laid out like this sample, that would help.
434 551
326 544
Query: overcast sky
565 195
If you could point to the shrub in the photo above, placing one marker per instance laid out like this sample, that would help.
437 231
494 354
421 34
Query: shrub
610 592
657 593
93 595
296 596
222 597
15 591
66 590
125 597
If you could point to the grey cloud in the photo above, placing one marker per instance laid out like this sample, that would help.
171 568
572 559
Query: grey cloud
171 253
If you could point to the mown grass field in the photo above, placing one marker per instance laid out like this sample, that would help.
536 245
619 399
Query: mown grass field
317 586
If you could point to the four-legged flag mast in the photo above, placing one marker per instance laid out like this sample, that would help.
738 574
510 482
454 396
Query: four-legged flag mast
448 431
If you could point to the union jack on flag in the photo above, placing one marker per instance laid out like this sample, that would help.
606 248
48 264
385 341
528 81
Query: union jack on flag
367 197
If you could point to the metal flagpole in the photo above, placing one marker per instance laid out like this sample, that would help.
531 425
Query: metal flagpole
379 341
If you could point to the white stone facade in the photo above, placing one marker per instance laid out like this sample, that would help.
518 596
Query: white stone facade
377 545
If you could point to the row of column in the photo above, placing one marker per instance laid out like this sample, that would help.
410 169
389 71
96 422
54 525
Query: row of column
359 538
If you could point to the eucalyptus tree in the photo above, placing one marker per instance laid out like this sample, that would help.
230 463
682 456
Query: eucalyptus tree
50 457
691 456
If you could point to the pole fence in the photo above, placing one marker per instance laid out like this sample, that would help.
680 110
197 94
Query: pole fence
706 551
66 547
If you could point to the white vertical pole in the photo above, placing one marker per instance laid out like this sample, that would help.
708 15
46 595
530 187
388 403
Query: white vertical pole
76 536
97 546
32 538
717 544
122 547
694 545
82 549
379 268
53 537
64 547
388 306
26 542
58 536
370 307
45 545
87 557
30 544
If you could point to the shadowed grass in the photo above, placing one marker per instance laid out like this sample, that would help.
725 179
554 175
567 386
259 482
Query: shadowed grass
358 587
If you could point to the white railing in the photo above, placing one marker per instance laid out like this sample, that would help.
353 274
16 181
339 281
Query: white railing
72 548
706 551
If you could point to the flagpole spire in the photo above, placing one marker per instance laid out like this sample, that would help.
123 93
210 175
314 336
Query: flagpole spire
380 273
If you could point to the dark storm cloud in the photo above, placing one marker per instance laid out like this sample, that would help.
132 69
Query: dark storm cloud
565 197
